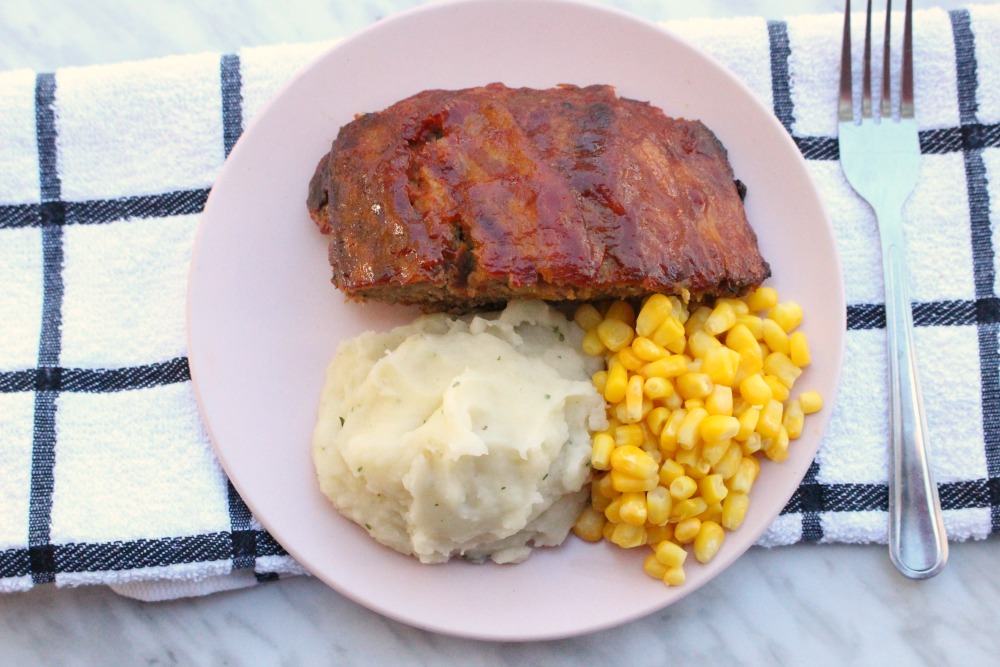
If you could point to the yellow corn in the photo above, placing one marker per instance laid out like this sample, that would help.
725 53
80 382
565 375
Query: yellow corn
708 541
762 298
654 567
754 323
630 460
617 383
657 387
798 346
696 319
682 488
609 529
587 316
674 576
746 474
647 350
611 512
602 483
669 471
753 388
592 344
624 482
811 402
600 454
712 452
700 342
690 428
673 401
676 347
633 399
668 367
687 529
721 319
659 504
693 403
770 419
699 468
668 436
734 509
721 364
599 380
779 391
669 332
656 534
628 536
627 358
685 509
794 419
656 419
715 428
781 367
775 337
748 422
589 525
788 315
713 489
627 434
622 311
720 401
777 449
670 554
730 461
656 309
753 444
740 338
614 333
597 500
694 385
632 509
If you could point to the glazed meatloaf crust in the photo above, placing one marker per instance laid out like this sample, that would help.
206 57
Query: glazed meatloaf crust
457 199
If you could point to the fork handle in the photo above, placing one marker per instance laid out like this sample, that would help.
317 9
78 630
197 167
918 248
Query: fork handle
918 545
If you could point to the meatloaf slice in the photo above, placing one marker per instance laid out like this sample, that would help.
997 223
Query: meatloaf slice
456 199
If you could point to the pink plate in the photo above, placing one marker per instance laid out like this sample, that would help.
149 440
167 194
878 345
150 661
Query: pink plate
263 319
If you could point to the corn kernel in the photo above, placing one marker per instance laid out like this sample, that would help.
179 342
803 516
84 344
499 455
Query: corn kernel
715 428
777 448
657 387
730 461
654 567
628 536
669 332
602 483
754 323
712 452
746 474
624 482
668 436
609 529
775 337
696 319
656 420
685 509
762 298
587 316
720 401
708 541
693 403
721 364
632 509
589 525
652 314
694 385
740 338
690 428
647 350
656 534
713 489
799 349
599 380
778 389
700 342
748 422
753 388
734 510
611 512
617 383
673 401
674 576
630 460
682 488
811 402
721 319
597 500
592 344
659 504
753 444
781 367
622 311
668 367
633 399
788 315
670 554
687 529
614 333
770 419
669 471
794 419
600 454
628 434
699 467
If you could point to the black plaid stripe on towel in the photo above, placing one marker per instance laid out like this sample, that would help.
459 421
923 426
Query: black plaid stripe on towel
106 474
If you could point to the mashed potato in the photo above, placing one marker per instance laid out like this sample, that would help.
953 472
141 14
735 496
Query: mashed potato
461 437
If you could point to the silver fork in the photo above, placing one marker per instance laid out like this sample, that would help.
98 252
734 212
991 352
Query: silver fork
880 155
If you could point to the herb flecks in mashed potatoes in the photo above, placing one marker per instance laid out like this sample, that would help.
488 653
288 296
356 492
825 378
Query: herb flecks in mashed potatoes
465 437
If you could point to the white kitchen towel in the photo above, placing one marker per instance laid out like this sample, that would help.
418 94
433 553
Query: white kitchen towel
106 472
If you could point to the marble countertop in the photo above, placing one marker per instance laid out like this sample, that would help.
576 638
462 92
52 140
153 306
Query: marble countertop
828 604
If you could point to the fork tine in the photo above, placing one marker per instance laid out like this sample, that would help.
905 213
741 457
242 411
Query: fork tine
866 85
846 106
885 105
906 107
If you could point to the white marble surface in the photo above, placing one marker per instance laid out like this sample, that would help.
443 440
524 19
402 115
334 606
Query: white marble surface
826 604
